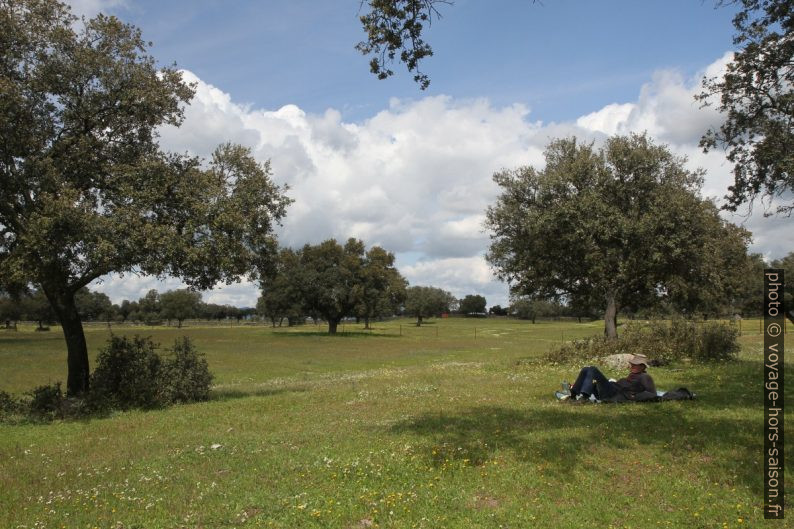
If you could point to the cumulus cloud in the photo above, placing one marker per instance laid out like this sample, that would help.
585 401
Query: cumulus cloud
666 108
415 178
459 275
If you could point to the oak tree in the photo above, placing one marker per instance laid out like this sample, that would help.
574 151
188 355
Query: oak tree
86 190
623 224
180 305
472 304
424 302
330 274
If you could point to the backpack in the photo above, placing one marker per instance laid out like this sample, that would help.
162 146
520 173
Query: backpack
678 394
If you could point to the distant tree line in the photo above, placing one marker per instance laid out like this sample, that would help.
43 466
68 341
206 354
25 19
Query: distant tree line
330 282
152 309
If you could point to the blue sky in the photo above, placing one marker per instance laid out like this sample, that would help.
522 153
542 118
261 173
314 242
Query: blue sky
411 170
562 58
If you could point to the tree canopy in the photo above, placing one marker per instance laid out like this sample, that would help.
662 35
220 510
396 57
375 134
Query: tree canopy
93 305
86 189
756 96
527 308
331 281
281 289
622 224
472 304
330 274
180 305
381 290
424 302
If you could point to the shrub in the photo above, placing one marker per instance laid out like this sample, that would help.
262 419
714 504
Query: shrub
126 374
46 402
185 376
9 406
130 374
660 341
717 343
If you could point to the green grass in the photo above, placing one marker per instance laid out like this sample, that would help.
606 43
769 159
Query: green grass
401 427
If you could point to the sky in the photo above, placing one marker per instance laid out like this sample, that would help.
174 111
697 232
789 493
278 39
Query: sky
411 170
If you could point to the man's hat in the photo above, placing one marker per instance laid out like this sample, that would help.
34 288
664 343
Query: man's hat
639 359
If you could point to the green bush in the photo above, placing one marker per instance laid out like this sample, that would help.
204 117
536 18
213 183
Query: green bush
717 342
185 376
661 341
127 374
130 374
9 406
46 402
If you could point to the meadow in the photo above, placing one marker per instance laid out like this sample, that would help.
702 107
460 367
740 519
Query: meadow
449 425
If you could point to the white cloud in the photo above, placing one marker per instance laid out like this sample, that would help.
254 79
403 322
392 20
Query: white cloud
459 275
416 177
666 108
609 120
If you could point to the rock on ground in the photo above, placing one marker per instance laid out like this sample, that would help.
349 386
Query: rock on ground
618 361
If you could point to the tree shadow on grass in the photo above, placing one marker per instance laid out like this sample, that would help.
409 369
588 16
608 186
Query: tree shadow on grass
559 437
224 395
345 334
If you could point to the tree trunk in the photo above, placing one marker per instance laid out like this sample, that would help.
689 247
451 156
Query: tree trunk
418 321
77 351
611 318
366 323
178 324
333 323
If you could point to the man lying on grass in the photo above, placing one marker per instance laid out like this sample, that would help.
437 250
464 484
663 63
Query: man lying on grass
638 386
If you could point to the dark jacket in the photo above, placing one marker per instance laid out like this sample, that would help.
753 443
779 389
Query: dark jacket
637 387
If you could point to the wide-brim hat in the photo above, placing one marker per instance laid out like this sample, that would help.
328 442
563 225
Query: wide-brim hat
639 359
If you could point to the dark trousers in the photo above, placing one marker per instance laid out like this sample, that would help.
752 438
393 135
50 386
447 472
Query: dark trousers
591 381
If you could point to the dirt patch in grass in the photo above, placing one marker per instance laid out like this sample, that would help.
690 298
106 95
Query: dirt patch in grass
485 501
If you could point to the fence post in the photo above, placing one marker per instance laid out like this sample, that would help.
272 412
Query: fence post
475 333
401 329
740 327
436 332
761 325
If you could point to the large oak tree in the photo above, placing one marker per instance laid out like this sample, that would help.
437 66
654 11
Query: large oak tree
623 224
85 189
330 279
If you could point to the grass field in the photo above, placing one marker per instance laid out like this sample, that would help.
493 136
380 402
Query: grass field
438 426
